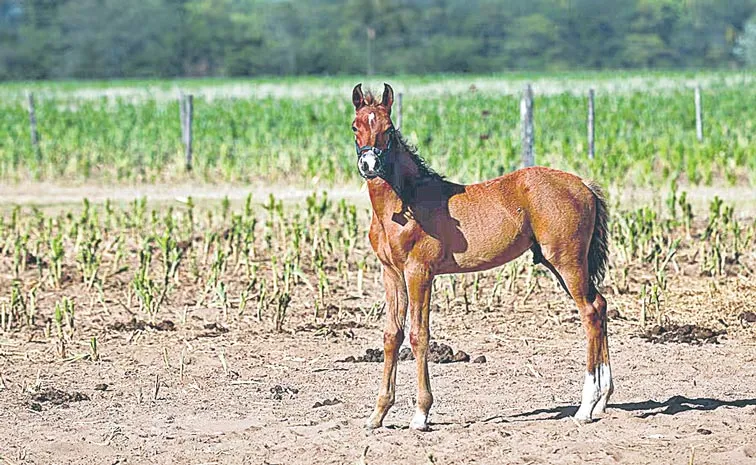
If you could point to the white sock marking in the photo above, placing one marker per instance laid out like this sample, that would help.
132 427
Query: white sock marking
419 420
596 390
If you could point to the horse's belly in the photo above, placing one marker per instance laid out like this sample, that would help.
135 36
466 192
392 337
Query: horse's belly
488 231
488 255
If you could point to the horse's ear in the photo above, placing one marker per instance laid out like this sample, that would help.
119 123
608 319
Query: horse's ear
388 97
358 99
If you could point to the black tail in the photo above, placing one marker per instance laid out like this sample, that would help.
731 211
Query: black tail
598 251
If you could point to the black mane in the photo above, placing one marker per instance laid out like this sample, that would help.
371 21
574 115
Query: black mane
426 185
426 172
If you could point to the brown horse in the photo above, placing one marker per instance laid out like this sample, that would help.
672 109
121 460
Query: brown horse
424 225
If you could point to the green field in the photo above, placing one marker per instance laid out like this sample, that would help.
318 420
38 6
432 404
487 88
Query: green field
293 130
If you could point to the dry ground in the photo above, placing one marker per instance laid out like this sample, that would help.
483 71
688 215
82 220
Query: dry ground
246 394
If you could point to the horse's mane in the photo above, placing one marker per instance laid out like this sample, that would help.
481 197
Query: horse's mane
426 172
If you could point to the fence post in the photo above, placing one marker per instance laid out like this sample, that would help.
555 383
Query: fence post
399 111
591 122
699 114
188 117
182 114
526 121
33 125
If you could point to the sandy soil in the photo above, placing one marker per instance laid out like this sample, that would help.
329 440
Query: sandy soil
671 400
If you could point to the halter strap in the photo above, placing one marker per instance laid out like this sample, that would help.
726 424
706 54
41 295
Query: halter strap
376 150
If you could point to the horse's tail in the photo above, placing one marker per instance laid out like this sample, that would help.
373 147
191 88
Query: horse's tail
598 251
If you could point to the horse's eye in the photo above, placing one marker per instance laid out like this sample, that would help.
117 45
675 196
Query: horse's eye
354 129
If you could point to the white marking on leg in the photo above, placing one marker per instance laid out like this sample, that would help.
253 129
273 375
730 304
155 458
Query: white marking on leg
606 387
596 388
419 421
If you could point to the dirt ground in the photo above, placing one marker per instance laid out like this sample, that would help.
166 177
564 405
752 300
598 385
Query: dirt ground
202 390
671 400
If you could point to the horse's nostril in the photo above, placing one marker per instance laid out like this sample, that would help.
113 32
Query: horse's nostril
364 165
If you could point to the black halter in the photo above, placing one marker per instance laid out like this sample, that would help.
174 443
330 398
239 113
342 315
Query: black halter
378 152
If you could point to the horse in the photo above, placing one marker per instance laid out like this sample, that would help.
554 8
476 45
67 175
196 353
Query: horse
424 225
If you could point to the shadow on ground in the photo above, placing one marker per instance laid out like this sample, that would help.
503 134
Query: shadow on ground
649 408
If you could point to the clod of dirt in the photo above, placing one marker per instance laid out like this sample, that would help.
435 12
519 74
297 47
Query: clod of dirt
134 325
165 325
213 330
440 353
371 355
406 354
278 392
101 387
55 397
437 353
748 317
480 359
690 334
216 327
461 356
613 314
326 403
703 431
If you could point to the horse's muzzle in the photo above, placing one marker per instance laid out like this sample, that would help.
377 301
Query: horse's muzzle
369 165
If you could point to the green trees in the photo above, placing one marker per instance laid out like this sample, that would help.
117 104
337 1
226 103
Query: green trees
745 45
112 38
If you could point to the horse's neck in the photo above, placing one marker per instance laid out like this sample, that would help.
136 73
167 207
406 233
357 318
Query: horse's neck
407 176
383 197
406 182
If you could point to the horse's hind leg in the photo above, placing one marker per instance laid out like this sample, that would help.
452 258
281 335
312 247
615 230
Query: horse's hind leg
598 384
607 385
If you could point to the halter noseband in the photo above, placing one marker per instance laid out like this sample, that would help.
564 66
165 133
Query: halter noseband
378 152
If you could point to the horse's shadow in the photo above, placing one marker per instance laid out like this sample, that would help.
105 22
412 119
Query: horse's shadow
649 408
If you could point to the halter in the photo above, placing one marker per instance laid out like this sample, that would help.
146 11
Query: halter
378 152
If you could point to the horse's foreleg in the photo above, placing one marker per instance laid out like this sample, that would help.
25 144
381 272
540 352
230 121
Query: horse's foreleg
393 335
419 286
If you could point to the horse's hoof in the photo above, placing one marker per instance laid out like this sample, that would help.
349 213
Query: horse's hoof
583 414
419 422
420 427
372 424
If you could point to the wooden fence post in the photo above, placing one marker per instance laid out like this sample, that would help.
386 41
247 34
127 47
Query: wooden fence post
399 111
591 122
182 114
699 114
188 117
526 121
33 125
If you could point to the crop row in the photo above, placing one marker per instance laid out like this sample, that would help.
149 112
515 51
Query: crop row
260 262
641 138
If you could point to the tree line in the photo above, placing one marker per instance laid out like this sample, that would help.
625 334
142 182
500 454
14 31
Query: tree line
52 39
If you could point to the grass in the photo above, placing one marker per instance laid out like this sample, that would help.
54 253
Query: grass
293 130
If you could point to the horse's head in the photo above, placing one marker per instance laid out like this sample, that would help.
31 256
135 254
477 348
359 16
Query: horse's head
373 130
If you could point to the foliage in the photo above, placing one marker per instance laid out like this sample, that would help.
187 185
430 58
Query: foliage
467 129
168 38
745 46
